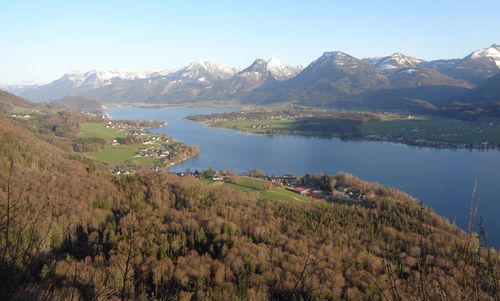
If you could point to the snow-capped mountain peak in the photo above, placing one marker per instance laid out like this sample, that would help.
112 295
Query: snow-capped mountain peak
166 71
334 56
198 68
338 72
492 53
99 78
395 61
281 70
278 69
337 58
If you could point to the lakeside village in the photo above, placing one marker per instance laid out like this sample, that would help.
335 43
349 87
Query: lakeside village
159 147
313 186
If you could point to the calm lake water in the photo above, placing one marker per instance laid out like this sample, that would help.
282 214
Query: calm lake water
442 179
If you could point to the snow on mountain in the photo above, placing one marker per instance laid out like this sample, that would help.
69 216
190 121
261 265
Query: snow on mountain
260 68
491 53
395 61
333 74
17 89
200 68
475 67
440 65
259 74
165 72
337 57
334 58
280 70
100 78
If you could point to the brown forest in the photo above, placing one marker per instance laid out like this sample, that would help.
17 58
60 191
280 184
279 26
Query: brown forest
69 230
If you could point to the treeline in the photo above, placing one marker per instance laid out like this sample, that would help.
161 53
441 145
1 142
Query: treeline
327 126
183 151
9 103
63 123
472 112
90 144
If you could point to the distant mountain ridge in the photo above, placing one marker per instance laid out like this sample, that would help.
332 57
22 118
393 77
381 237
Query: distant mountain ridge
79 103
475 67
488 91
335 76
395 61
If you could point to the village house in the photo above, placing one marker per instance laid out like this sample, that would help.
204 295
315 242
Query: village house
261 126
289 180
120 170
299 190
184 173
351 192
306 192
154 152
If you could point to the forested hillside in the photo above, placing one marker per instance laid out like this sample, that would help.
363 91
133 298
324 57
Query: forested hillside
69 230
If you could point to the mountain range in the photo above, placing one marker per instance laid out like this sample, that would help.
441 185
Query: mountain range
334 79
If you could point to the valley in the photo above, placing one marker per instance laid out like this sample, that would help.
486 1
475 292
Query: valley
250 150
167 219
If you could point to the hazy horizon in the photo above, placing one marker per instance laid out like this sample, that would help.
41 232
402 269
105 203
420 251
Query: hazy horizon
46 40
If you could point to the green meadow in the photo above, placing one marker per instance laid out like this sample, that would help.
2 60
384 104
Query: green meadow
275 193
436 130
99 130
116 154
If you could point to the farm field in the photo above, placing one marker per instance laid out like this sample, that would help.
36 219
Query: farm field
116 154
119 154
390 128
275 193
246 125
99 130
436 130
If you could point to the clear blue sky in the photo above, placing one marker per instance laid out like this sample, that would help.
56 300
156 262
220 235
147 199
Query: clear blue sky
41 40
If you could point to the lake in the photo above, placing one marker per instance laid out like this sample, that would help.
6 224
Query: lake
443 179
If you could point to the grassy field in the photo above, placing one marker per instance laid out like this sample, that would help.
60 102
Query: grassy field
22 111
117 154
281 194
247 184
99 130
246 125
393 127
276 193
438 130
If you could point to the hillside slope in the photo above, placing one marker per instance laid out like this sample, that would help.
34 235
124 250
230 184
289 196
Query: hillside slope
9 103
79 103
70 231
488 91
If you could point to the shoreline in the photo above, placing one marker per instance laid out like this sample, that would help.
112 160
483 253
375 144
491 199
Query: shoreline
419 144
